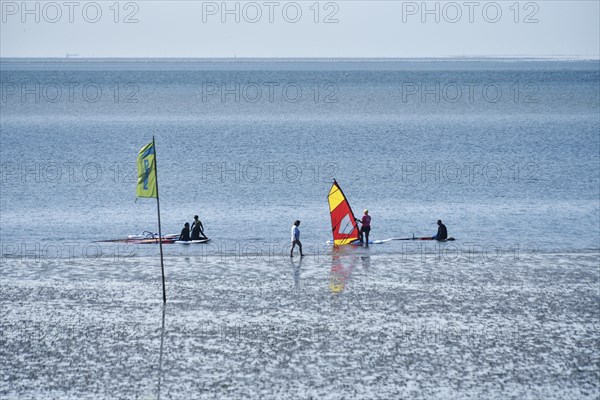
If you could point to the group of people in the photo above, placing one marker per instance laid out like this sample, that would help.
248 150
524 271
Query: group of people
196 232
365 229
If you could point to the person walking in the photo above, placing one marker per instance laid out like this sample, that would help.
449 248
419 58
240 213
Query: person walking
296 239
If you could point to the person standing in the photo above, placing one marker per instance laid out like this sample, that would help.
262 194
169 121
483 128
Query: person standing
442 233
296 239
365 227
197 229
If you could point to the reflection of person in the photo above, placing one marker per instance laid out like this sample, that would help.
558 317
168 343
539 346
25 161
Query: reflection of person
296 271
366 262
442 233
197 229
365 227
296 239
185 233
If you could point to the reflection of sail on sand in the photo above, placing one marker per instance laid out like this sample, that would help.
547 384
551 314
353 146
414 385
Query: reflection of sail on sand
341 269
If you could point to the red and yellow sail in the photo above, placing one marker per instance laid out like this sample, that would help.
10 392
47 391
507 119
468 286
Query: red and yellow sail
343 223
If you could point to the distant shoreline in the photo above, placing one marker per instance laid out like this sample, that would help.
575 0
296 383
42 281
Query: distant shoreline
298 59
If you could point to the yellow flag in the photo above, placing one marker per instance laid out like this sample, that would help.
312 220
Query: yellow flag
146 184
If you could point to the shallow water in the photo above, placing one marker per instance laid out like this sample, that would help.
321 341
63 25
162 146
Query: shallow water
354 324
517 164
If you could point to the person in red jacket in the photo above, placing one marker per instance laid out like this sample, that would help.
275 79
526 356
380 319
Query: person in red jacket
365 227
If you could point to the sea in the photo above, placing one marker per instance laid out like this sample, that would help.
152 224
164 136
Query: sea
505 151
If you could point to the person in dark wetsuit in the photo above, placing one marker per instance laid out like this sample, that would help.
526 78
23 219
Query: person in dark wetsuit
442 233
184 236
197 229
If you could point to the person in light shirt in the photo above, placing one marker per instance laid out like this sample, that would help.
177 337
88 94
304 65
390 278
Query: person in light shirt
296 239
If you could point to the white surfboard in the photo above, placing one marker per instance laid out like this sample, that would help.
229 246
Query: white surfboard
192 241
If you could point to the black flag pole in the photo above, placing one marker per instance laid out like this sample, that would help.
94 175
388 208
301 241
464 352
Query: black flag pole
160 357
162 265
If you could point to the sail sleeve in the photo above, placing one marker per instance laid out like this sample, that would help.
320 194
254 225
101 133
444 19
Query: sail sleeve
343 223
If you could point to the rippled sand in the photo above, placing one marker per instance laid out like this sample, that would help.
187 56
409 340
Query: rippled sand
355 324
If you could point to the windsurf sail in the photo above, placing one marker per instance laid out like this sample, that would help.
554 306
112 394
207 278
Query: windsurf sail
343 223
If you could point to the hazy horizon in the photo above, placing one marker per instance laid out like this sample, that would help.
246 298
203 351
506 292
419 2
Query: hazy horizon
303 29
456 58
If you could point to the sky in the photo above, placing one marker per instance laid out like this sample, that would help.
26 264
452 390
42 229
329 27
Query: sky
329 29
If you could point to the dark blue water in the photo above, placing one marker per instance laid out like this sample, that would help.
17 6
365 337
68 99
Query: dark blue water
505 152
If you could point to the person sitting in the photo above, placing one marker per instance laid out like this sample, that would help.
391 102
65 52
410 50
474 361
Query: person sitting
442 233
184 236
197 229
